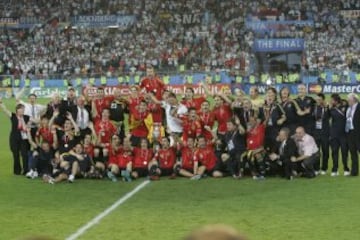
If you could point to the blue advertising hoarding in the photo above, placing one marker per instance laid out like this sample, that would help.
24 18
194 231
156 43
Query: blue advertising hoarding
279 45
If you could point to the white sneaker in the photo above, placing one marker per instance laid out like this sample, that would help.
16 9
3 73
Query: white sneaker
334 174
29 174
195 177
317 173
346 173
322 172
35 175
71 178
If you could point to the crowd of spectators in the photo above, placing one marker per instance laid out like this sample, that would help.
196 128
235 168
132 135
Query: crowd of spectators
200 35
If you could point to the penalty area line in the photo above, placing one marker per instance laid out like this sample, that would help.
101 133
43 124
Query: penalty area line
106 212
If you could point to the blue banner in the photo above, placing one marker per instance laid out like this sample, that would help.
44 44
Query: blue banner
279 45
267 26
334 88
100 21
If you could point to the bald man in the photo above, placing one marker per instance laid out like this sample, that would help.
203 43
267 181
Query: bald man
308 153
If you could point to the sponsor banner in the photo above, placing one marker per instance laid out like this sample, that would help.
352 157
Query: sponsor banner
350 13
98 21
46 92
279 45
177 89
267 26
333 88
263 87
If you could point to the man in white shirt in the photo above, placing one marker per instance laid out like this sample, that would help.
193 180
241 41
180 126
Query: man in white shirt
308 152
174 111
32 109
352 129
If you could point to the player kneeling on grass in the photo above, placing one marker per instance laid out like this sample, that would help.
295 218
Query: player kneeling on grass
255 153
185 167
163 162
205 160
142 156
40 159
120 162
75 163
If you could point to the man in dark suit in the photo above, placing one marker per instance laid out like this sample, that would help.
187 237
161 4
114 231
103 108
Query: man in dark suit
352 128
286 150
322 132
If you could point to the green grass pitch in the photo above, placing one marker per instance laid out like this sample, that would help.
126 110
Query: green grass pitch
321 208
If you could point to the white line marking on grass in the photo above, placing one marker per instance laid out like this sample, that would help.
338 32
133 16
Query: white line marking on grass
106 212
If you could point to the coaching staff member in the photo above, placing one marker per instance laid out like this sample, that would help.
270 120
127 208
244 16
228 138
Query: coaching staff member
352 128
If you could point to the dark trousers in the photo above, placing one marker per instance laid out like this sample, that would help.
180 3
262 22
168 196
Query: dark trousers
20 147
307 165
40 163
336 144
322 141
352 143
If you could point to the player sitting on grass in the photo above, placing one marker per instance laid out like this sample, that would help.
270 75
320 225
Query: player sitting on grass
142 156
185 167
75 163
163 162
120 159
205 160
41 158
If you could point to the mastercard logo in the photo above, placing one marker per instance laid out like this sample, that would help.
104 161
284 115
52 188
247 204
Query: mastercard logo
315 89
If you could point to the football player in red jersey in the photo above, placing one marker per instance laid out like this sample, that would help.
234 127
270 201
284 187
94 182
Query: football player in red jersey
192 102
152 83
207 118
255 148
44 132
142 157
192 126
120 159
164 160
138 127
205 160
223 113
101 101
186 166
134 98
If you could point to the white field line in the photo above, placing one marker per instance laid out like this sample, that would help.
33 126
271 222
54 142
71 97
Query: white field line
106 212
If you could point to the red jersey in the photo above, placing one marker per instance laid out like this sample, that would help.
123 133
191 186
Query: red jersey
142 157
187 157
45 134
206 156
255 137
89 150
124 158
166 158
134 102
222 115
191 128
102 103
207 119
114 153
153 85
104 129
156 111
194 102
138 127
